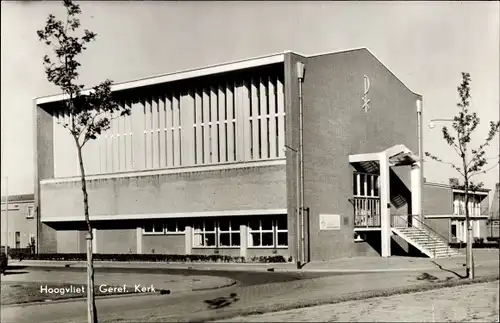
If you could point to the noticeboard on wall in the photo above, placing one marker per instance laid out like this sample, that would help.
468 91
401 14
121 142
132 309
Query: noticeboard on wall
329 221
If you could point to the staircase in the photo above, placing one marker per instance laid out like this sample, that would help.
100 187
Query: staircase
426 240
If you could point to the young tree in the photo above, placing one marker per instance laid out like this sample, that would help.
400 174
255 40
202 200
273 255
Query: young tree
472 160
89 112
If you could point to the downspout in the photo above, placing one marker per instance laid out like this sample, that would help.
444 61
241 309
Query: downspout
421 156
300 76
7 216
297 205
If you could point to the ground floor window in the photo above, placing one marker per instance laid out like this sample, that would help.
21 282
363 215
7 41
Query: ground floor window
267 231
175 226
459 229
156 227
229 232
225 232
216 233
204 233
165 226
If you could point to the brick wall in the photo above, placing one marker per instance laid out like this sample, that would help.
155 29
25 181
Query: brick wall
232 189
441 226
236 189
69 241
437 200
336 127
164 244
111 241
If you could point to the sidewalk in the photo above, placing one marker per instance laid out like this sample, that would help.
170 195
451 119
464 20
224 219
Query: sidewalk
482 257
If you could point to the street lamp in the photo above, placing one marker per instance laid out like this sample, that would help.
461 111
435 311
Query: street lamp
432 124
470 255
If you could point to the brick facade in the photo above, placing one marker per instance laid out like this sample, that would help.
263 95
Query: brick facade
335 126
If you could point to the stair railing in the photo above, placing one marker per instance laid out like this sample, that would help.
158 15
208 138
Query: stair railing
443 238
407 224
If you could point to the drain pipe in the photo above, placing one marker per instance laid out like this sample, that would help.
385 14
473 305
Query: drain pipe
300 76
421 156
297 205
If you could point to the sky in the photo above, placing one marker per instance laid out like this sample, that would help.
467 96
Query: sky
426 44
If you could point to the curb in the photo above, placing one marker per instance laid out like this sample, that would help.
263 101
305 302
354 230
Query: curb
229 268
83 298
357 296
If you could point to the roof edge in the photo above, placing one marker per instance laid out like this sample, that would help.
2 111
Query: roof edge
181 74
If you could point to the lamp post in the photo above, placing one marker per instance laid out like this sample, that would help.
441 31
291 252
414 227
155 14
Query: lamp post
432 123
469 255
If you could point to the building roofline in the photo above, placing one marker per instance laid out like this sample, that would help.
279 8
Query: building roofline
181 75
369 51
18 198
456 188
333 52
214 69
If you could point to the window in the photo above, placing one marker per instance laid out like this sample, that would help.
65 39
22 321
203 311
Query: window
204 233
217 233
18 239
365 185
153 228
268 232
29 212
282 231
169 226
229 232
175 226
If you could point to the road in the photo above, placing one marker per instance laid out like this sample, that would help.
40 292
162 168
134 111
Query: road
255 290
472 303
177 304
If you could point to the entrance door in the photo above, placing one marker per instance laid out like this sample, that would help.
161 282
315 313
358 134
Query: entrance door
459 230
18 239
453 231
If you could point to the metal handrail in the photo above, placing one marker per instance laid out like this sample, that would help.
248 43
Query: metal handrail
433 250
428 227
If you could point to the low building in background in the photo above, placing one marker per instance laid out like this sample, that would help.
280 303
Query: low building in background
19 230
494 218
444 210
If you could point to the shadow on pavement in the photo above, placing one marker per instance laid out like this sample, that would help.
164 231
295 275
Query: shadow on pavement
16 267
221 302
448 270
14 272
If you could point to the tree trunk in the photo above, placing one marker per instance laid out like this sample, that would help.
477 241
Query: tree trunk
91 308
469 238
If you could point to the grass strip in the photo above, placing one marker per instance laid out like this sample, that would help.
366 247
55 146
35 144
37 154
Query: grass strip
29 292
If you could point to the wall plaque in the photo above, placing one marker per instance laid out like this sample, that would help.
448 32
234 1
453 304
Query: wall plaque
329 221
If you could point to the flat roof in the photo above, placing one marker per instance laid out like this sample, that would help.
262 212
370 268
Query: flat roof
18 198
186 74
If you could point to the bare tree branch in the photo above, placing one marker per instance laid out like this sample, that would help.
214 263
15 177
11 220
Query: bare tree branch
485 171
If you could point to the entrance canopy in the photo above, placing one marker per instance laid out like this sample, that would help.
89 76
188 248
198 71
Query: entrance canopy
398 155
380 163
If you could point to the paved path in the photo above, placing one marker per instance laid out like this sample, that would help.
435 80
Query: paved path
471 303
227 302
